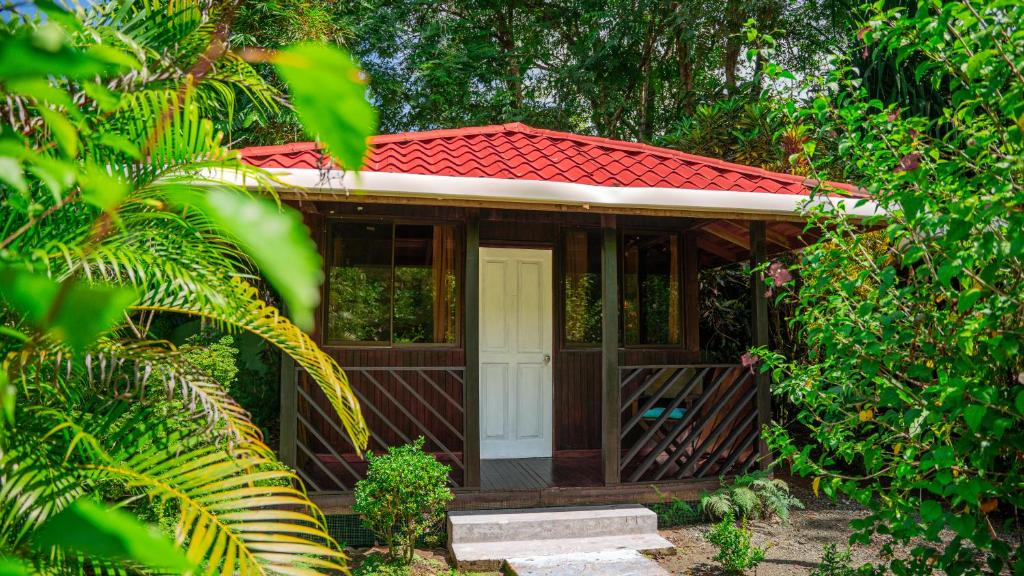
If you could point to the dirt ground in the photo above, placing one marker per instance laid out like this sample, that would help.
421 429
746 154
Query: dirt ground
794 547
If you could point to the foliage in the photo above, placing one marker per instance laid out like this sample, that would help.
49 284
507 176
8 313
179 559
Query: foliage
381 565
215 357
751 496
913 385
673 511
834 563
617 69
121 203
735 552
404 493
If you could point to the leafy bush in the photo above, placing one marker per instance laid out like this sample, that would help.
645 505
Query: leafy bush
673 511
751 496
214 356
404 493
834 563
912 389
379 565
735 552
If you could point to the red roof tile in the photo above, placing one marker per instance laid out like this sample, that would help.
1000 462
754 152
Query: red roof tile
517 151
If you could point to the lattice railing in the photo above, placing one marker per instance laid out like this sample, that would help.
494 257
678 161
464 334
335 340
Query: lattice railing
687 421
399 405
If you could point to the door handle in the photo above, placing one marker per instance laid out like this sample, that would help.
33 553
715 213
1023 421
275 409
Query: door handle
547 358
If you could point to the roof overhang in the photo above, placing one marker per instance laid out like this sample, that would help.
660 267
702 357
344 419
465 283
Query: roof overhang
339 185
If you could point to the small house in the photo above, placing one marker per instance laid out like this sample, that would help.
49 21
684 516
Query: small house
527 301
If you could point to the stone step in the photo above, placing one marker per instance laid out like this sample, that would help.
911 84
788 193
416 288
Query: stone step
607 563
480 526
489 556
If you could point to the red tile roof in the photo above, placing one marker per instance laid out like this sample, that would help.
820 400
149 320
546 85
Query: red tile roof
517 151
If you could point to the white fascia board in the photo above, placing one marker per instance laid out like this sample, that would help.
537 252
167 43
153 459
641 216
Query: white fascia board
562 193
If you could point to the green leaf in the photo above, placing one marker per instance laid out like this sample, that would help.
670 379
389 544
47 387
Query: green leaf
109 534
102 189
948 270
967 299
276 240
45 52
930 510
329 95
11 173
77 313
974 415
64 132
14 567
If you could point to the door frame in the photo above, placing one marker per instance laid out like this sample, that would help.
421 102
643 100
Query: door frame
554 320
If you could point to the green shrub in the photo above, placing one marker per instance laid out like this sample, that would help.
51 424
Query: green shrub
673 511
216 357
403 495
735 552
834 563
378 565
751 496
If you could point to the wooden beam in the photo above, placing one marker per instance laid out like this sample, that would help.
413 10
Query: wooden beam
707 245
376 198
723 232
691 293
287 452
611 422
759 307
471 385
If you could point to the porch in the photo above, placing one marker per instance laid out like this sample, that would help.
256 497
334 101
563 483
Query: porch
628 422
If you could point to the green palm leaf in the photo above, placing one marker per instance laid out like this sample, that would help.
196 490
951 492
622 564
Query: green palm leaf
244 310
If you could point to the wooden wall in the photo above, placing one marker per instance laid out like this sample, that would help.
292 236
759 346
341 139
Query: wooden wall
577 370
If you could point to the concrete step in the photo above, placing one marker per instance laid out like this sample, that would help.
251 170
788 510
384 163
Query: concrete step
480 526
489 556
607 563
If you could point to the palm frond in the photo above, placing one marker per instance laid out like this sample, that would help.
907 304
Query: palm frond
238 514
245 310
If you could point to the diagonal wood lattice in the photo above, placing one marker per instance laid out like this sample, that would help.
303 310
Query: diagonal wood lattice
687 421
399 405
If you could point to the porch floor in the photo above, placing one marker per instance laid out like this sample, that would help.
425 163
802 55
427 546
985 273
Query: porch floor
561 470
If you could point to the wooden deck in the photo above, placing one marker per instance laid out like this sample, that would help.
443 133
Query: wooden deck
567 479
562 470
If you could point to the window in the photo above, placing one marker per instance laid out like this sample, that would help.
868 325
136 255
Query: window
582 286
650 289
393 283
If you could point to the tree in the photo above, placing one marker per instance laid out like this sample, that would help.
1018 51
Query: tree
624 69
913 384
121 202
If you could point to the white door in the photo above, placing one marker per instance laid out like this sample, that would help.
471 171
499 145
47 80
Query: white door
515 353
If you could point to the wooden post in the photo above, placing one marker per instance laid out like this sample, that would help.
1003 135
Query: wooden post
287 452
471 387
759 330
611 422
691 294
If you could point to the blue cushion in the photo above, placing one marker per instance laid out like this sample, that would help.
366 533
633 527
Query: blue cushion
675 414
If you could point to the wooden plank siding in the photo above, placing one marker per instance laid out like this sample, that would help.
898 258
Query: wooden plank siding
396 409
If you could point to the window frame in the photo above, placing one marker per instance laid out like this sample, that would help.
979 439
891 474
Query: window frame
622 232
620 243
393 222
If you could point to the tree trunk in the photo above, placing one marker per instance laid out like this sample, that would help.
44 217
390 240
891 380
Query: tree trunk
733 23
507 42
684 62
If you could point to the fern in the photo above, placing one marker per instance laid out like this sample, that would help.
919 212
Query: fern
753 496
